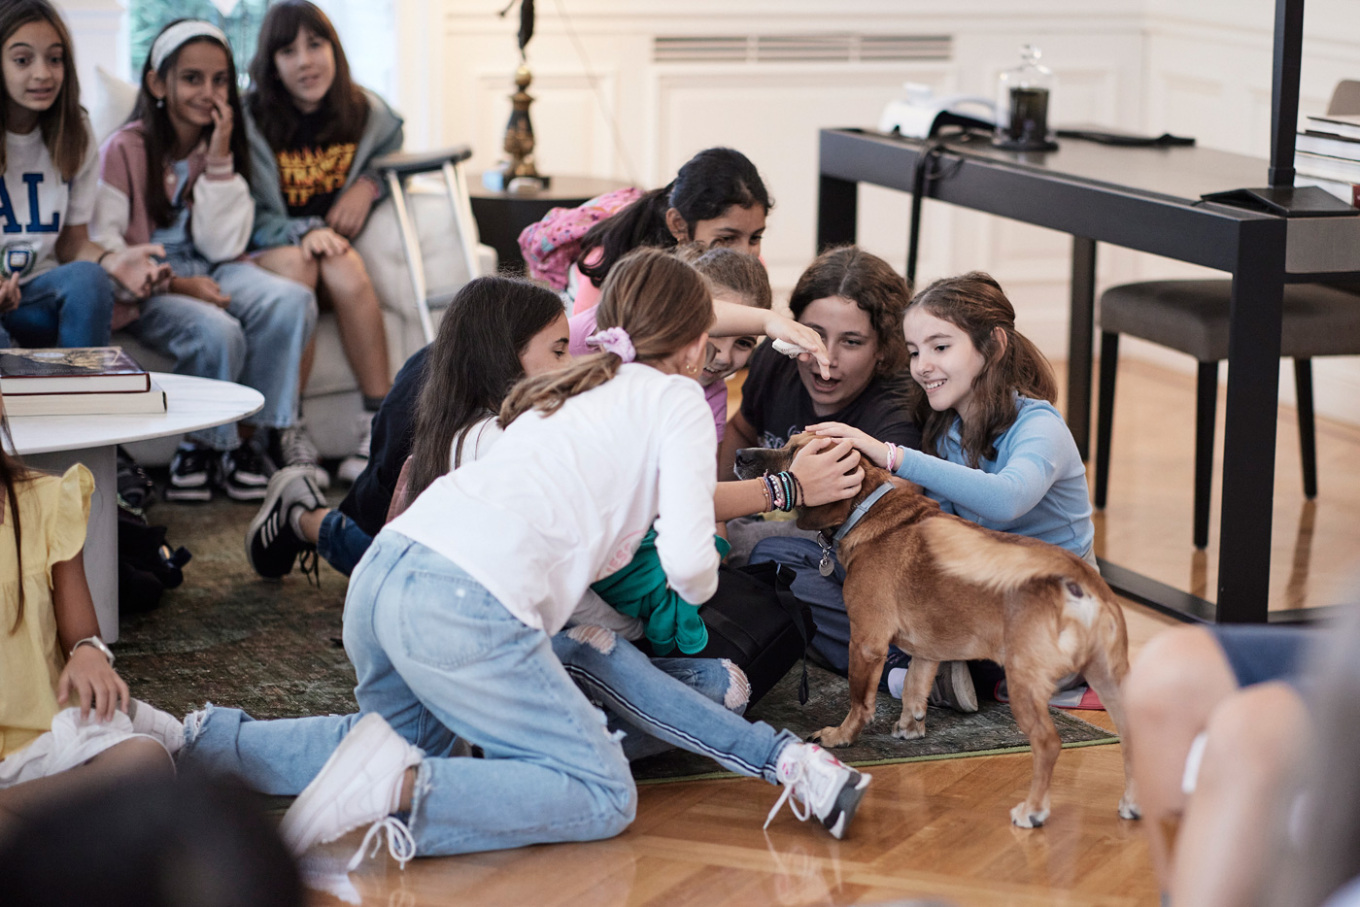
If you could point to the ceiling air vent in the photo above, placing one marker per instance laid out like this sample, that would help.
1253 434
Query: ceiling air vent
831 47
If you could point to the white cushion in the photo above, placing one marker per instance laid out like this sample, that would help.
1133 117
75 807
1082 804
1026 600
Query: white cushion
113 103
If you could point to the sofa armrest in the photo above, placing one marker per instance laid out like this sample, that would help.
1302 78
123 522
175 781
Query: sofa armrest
445 268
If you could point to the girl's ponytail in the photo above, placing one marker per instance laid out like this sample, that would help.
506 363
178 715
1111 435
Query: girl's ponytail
660 303
643 223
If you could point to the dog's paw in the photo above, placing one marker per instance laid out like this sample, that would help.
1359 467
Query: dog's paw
833 736
1024 817
909 729
1128 809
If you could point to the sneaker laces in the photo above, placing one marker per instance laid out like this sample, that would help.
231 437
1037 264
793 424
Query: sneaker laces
310 565
296 447
401 844
797 774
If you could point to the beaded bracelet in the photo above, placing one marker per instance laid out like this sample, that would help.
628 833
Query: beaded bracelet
769 498
892 458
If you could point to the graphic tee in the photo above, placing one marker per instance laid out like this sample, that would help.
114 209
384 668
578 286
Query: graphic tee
311 173
35 203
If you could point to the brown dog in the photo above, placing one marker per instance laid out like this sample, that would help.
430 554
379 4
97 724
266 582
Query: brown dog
944 589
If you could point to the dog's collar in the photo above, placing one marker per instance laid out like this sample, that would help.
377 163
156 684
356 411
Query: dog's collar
860 510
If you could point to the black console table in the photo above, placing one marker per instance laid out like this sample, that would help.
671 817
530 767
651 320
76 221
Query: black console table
1145 199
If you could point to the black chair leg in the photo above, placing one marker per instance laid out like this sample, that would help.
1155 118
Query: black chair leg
1303 384
1109 364
1206 410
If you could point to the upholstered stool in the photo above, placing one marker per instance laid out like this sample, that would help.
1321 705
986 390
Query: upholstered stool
1192 316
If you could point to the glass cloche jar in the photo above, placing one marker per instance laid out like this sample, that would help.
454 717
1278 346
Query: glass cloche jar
1023 98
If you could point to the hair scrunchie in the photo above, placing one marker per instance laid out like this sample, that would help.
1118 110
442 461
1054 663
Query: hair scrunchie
613 340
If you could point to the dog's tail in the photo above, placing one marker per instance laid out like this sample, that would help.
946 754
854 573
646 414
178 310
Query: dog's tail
1001 566
1005 567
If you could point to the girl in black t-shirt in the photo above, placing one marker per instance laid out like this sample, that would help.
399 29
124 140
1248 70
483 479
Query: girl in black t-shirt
855 301
313 135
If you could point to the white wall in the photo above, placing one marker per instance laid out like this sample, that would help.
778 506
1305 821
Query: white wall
606 107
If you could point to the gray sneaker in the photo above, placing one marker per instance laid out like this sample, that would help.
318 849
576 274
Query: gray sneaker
296 448
953 687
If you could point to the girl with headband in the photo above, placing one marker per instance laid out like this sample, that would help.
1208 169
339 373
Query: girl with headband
451 614
176 175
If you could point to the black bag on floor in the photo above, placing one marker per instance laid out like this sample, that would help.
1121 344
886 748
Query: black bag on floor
755 620
147 565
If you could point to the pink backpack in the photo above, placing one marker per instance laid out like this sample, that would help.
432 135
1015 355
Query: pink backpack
550 246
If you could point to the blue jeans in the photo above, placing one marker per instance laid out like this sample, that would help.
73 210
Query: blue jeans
70 305
823 594
438 656
341 542
257 340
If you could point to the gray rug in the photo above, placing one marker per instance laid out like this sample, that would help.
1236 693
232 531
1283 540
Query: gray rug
273 649
989 731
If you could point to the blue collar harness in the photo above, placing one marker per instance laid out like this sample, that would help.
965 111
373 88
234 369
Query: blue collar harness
827 566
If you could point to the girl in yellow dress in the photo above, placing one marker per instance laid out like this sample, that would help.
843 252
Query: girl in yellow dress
67 720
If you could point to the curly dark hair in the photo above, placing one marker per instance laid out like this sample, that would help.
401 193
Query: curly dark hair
871 283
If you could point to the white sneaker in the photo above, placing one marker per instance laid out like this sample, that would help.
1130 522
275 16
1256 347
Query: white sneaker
147 719
357 462
826 787
360 784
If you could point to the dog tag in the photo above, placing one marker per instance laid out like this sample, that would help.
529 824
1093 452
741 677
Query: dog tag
827 566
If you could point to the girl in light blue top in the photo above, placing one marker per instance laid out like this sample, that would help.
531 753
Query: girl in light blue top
993 450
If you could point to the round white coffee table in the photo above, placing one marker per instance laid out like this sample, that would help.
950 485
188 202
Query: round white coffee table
53 443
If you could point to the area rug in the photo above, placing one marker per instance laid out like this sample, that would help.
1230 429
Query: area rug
273 649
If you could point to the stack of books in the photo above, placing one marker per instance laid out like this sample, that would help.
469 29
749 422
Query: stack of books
1327 155
79 381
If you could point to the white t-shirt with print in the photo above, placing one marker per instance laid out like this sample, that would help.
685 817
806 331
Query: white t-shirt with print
36 203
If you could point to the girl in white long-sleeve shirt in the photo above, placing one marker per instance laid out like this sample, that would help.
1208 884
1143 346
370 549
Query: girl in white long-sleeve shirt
175 175
450 613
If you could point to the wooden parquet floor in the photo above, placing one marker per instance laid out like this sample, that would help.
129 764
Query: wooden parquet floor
938 832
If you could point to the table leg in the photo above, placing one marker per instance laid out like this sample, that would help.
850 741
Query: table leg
1081 329
1251 417
837 211
101 538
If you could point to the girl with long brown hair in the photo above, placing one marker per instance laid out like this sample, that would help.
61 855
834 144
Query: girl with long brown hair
55 286
176 174
313 136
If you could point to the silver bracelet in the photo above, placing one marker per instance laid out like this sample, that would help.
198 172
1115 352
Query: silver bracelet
96 643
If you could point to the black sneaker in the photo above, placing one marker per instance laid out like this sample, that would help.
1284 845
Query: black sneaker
134 485
244 473
271 544
191 473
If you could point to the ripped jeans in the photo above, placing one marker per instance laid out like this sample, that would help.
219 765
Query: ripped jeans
439 657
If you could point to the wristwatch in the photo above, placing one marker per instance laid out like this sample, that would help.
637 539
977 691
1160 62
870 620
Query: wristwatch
95 642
